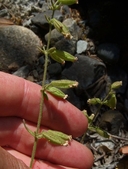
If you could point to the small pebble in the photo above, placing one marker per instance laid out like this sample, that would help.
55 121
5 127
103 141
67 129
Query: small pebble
81 46
23 71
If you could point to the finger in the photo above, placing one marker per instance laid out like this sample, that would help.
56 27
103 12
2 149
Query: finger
37 163
15 135
22 98
7 161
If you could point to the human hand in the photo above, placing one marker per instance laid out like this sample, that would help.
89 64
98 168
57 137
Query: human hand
20 99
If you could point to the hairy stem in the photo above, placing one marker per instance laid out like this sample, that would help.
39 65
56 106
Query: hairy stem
42 96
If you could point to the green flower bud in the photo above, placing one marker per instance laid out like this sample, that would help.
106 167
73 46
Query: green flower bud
60 27
56 92
61 56
63 84
94 101
55 137
116 85
56 57
66 56
68 2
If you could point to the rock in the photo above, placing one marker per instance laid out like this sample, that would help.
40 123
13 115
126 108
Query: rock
41 60
23 71
109 53
54 69
81 46
40 20
18 44
35 73
30 78
66 45
91 75
55 37
74 99
3 12
66 11
112 121
71 24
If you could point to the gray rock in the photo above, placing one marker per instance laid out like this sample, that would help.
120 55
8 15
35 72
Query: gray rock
23 71
74 99
66 45
81 46
41 60
3 12
40 19
71 24
108 52
54 69
18 44
112 121
35 73
91 75
55 37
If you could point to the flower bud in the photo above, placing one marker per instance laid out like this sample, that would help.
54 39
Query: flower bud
94 101
56 92
55 137
60 27
61 56
116 85
68 2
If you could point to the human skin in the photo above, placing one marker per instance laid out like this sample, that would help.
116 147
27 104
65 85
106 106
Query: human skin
20 99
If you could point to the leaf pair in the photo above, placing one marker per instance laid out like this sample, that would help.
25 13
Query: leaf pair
52 136
61 56
55 137
55 86
58 55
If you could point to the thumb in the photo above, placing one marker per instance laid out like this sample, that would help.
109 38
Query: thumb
7 161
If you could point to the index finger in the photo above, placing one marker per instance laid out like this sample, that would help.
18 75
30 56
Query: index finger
21 98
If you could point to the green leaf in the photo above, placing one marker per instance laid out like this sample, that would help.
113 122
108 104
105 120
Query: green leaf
54 5
31 132
55 137
63 84
111 102
56 92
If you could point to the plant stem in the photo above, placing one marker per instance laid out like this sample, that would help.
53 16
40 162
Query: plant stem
97 112
42 96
